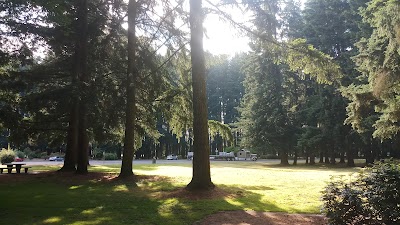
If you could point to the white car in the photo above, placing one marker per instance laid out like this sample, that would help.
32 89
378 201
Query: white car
172 157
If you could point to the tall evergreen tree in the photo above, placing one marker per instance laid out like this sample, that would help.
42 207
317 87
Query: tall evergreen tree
265 115
201 178
225 89
129 140
332 28
374 95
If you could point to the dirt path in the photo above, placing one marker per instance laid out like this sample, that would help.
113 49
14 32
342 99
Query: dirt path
261 218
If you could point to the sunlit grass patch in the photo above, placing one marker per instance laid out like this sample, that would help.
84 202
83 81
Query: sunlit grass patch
121 188
157 195
52 220
75 187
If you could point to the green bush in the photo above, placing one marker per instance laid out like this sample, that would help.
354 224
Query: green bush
43 155
110 156
372 198
7 156
38 154
20 154
28 153
98 153
232 149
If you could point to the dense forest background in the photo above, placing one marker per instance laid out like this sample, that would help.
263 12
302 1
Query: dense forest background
320 82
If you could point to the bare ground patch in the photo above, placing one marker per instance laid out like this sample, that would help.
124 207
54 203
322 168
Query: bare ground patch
261 218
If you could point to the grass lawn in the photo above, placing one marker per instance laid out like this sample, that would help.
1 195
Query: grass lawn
70 199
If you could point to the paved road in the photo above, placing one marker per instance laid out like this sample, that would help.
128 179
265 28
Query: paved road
142 162
105 162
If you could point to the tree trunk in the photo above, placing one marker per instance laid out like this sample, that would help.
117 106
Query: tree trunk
81 52
295 157
129 140
321 156
369 158
83 142
201 178
333 155
312 159
326 158
284 157
72 139
342 158
350 157
77 135
306 158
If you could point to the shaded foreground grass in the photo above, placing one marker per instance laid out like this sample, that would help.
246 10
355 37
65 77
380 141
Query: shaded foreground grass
157 196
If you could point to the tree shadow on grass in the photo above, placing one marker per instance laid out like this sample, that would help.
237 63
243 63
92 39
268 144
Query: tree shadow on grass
55 198
195 206
102 199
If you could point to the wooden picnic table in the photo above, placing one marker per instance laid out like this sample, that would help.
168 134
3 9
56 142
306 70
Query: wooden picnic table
18 166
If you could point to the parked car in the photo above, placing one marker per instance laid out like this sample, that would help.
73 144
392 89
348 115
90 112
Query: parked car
172 157
56 158
17 159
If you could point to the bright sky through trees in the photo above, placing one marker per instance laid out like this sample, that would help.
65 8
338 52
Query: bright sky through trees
224 38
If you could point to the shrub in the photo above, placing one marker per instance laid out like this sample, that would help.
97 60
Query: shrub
20 154
98 153
110 156
38 154
28 153
43 155
7 156
372 198
232 149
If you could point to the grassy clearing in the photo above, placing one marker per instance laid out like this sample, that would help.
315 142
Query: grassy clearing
70 199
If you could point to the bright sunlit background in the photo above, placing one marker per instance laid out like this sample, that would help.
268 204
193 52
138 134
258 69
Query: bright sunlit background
221 37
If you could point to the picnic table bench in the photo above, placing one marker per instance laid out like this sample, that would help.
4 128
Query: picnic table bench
17 165
6 168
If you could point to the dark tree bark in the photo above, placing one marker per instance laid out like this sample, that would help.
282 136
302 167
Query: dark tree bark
307 157
350 157
129 140
333 159
201 178
332 153
342 158
312 159
295 157
81 52
368 156
77 139
326 158
321 157
284 157
72 139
